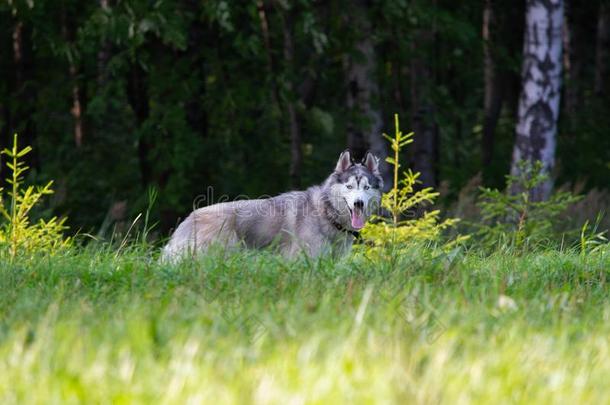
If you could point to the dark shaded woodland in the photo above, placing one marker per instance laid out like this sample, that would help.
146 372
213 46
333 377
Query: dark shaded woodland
255 97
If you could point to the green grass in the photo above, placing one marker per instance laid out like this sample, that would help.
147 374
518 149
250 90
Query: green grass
97 327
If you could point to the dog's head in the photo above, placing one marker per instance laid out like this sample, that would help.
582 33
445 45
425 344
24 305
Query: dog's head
355 188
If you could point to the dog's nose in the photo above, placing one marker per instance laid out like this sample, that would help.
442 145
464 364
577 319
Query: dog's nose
359 204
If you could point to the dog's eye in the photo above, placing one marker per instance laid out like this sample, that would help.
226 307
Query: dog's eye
366 187
349 186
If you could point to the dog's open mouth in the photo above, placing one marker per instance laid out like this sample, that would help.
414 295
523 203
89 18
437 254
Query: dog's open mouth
357 215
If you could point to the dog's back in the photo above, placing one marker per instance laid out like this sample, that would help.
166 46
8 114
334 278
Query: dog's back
255 223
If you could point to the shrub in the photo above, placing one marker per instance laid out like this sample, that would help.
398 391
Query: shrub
516 218
17 234
402 226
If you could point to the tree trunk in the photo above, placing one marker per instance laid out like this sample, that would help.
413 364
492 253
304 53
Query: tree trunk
18 51
137 94
365 124
493 87
602 56
264 22
196 113
422 110
76 110
19 117
296 156
536 129
572 59
103 55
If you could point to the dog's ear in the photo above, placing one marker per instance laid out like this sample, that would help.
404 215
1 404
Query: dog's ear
371 162
344 162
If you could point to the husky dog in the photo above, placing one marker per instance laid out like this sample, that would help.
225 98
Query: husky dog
322 219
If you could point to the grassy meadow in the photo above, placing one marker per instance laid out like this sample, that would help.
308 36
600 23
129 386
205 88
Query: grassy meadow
99 326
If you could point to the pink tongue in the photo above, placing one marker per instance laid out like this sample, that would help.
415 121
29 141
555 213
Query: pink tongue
357 220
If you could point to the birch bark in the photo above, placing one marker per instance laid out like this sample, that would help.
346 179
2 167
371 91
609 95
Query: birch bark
536 129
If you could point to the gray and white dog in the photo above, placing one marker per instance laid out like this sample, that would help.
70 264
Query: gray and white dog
322 219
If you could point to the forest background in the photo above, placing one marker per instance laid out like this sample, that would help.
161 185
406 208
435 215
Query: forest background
257 97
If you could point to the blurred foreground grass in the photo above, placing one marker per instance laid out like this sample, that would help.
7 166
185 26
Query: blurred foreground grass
93 326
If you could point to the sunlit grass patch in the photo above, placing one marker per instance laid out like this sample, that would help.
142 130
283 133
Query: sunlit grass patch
92 326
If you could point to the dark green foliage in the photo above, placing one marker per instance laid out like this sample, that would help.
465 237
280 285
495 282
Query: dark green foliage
185 95
514 218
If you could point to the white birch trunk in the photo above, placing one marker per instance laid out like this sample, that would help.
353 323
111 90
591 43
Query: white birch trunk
536 129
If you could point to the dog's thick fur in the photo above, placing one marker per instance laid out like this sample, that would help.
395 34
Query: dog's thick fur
319 220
